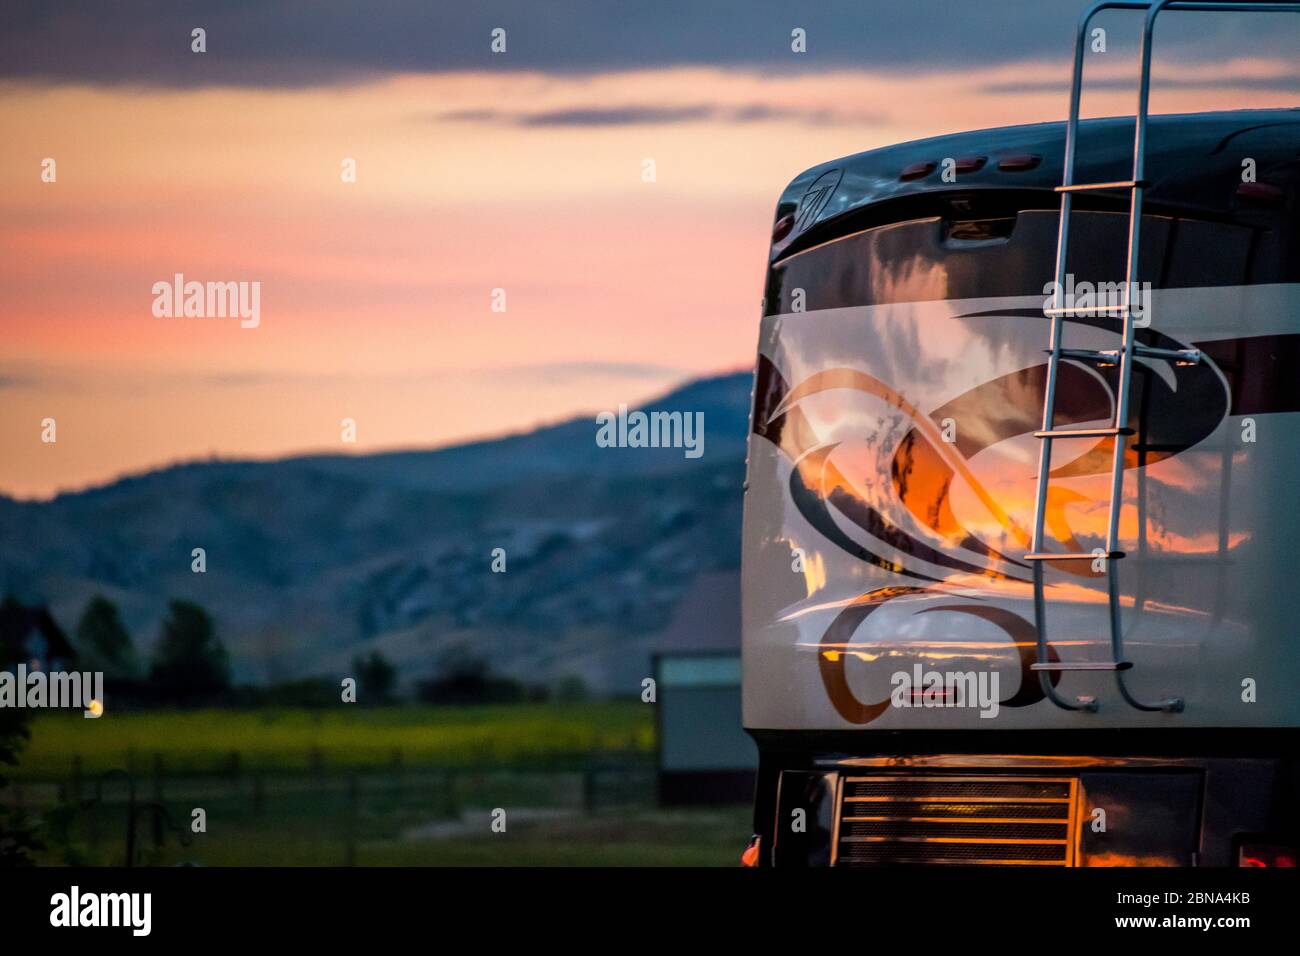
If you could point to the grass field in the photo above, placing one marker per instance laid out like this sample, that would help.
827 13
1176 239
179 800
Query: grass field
202 741
389 786
309 832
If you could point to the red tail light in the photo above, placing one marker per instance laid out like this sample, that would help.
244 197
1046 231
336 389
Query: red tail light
1262 193
1266 855
783 227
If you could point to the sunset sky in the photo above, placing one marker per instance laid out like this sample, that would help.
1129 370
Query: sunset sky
475 171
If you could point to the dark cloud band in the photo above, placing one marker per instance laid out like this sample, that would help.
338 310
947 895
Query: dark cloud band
310 42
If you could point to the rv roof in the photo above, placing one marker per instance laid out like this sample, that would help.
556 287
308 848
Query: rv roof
1192 160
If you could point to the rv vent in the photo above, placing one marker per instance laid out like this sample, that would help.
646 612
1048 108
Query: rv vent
899 818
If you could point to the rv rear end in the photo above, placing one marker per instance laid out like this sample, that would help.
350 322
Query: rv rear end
909 701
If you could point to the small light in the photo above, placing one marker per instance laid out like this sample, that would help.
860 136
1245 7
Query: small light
917 170
95 708
1019 162
971 164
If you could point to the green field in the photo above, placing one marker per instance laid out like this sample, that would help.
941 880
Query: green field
316 833
403 785
202 741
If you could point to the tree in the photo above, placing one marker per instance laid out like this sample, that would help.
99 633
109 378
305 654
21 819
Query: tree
465 677
103 643
376 677
16 838
190 663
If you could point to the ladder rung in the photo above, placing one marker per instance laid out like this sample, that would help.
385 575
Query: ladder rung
1084 433
1177 356
1084 666
1070 556
1090 311
1106 357
1148 447
1088 187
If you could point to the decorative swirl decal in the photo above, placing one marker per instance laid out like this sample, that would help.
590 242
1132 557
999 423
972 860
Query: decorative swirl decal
836 643
924 466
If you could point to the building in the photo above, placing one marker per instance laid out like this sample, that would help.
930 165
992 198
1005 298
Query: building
704 755
29 635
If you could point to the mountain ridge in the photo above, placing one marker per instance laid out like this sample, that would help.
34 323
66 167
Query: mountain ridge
314 558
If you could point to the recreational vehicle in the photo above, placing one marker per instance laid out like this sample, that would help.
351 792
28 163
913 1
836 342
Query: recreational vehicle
1021 533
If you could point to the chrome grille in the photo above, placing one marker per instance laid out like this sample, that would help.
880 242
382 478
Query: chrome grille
951 819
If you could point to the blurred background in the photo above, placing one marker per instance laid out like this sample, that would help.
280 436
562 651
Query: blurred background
468 244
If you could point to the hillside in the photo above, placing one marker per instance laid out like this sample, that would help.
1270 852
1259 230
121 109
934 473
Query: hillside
314 559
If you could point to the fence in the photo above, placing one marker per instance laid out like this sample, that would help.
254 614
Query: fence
323 814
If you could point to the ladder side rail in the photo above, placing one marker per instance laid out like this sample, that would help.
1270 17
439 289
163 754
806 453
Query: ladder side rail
1127 353
1056 320
1127 357
1173 704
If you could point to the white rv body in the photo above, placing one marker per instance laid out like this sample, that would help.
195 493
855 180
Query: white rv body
895 658
1211 606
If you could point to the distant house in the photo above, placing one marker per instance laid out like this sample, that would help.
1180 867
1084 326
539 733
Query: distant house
704 756
29 635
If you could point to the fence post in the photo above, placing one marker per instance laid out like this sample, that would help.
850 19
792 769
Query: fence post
353 811
76 778
449 795
234 772
95 809
158 777
158 800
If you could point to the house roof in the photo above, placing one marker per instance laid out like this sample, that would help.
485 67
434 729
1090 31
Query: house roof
17 623
707 618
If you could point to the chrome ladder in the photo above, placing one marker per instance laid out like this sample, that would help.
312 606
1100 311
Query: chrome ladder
1124 357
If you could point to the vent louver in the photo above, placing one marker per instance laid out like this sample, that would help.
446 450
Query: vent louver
956 820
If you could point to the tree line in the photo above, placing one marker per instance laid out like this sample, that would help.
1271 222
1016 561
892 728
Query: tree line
189 666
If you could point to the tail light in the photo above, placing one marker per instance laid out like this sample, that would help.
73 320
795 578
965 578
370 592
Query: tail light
750 857
1262 193
783 227
1266 855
